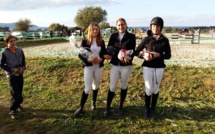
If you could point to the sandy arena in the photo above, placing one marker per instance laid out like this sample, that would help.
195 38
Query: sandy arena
183 52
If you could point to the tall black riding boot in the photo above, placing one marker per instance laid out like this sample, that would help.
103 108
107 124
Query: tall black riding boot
122 99
153 105
109 101
94 97
80 109
147 105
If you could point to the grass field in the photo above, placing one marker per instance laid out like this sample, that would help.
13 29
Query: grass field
53 87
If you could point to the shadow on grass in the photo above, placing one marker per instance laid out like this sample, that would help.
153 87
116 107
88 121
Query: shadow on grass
162 113
42 114
43 120
180 113
173 111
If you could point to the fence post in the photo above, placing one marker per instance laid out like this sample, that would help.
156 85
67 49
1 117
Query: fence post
196 36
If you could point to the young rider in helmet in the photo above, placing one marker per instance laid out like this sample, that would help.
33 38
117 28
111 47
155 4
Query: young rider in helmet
92 65
124 43
154 49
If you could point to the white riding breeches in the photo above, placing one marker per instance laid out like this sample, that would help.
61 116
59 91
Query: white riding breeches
92 77
152 79
122 72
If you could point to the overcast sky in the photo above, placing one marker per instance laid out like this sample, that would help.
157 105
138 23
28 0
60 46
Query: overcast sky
136 12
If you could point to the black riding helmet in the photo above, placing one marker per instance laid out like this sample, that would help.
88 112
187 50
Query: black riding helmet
157 21
111 51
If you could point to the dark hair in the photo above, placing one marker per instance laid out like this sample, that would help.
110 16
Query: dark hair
7 37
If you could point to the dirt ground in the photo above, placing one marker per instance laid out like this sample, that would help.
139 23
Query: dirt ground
183 52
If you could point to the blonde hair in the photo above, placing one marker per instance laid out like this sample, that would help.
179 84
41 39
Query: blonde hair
90 36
